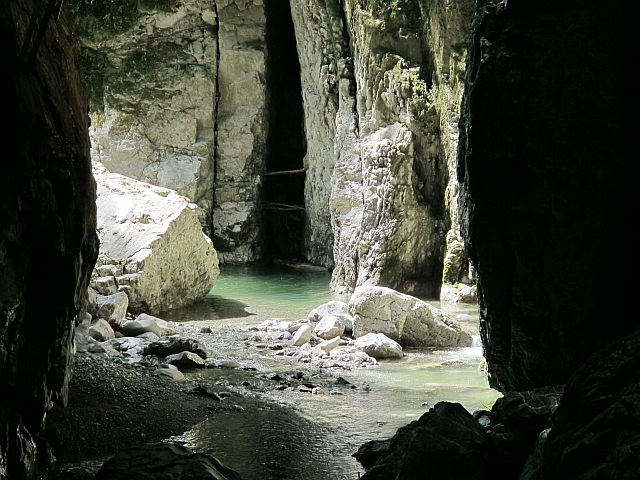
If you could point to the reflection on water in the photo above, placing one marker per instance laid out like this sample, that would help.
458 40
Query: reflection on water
291 435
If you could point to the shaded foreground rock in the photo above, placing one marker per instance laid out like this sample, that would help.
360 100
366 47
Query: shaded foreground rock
445 443
151 244
595 433
165 462
405 319
591 431
48 242
544 104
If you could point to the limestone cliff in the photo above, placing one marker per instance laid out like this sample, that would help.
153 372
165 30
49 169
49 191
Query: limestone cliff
393 198
48 241
380 86
153 95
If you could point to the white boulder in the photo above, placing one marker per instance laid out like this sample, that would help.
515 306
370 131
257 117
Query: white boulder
378 346
152 232
334 307
143 324
403 318
326 346
458 293
302 335
329 327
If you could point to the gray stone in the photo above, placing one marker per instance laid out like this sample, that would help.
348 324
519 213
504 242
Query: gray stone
378 346
302 335
185 359
329 327
141 325
100 330
405 319
170 374
113 308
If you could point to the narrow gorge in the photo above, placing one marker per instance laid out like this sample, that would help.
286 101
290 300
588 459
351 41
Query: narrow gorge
467 151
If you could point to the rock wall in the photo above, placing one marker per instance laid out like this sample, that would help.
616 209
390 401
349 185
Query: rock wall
48 243
322 49
381 89
392 198
547 192
153 97
241 127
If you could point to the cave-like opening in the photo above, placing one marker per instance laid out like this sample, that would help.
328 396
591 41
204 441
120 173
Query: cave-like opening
283 185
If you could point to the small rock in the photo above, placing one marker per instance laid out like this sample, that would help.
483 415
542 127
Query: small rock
326 346
302 335
330 308
170 374
100 330
335 392
379 346
329 327
206 330
185 359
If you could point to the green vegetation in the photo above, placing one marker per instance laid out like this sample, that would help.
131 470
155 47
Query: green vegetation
94 67
109 16
136 64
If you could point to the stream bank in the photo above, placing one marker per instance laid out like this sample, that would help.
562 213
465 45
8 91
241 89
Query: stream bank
320 431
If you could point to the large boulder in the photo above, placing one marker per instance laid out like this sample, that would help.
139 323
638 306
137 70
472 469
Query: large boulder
403 318
153 238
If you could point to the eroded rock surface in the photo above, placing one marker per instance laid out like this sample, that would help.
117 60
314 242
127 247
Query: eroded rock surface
152 240
47 233
405 319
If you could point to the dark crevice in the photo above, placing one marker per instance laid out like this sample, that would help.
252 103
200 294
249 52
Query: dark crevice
283 194
215 122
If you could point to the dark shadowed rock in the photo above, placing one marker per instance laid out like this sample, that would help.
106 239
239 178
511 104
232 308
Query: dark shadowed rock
445 443
172 345
369 453
165 462
48 241
595 432
547 194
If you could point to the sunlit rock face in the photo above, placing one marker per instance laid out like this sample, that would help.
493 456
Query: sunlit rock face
380 86
393 195
547 184
153 91
48 242
151 245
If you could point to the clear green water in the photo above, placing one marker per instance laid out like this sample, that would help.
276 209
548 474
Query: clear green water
291 435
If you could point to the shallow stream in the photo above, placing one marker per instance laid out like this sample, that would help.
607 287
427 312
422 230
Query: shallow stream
292 435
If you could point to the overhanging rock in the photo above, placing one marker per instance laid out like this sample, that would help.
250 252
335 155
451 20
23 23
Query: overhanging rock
152 244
